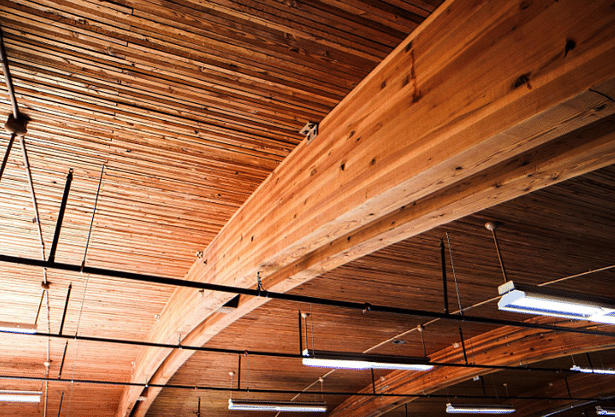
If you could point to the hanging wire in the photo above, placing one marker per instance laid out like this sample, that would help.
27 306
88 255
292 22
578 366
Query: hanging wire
492 226
87 243
450 253
70 397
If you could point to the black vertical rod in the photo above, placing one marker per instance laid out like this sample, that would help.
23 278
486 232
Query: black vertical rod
60 407
567 386
444 287
590 362
239 373
6 154
70 287
63 358
483 382
463 345
373 381
56 236
198 411
300 336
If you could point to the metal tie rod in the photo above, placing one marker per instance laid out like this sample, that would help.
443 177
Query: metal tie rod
293 297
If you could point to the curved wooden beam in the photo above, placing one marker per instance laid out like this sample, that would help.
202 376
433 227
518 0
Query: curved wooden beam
455 111
504 346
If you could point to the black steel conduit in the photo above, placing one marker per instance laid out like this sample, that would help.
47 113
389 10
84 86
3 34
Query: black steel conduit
241 353
365 307
279 391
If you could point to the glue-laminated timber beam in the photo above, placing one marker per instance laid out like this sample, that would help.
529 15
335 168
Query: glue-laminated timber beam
458 107
501 346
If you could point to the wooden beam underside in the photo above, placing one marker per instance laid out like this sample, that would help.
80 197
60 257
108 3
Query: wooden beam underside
484 102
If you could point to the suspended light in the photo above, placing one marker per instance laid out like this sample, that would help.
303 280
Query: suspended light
542 301
479 409
323 359
593 370
255 405
17 327
606 411
20 396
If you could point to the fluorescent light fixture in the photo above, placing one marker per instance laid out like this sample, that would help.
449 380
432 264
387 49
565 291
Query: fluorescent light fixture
20 396
556 303
17 327
338 360
593 370
254 405
607 411
479 409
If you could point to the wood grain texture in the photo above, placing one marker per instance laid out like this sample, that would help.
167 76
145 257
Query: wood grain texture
457 113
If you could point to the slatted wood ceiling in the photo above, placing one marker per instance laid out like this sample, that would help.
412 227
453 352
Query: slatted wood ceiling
189 105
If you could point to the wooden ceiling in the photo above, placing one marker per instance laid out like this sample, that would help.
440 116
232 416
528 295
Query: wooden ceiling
171 114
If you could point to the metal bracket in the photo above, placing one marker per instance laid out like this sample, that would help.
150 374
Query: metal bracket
310 131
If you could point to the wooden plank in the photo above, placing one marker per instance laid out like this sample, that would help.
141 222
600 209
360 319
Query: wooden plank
457 112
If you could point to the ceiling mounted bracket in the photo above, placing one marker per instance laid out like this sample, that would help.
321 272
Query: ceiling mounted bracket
310 131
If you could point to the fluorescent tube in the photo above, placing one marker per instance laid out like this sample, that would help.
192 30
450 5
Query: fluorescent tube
608 411
338 360
17 327
20 396
479 409
547 302
254 405
593 370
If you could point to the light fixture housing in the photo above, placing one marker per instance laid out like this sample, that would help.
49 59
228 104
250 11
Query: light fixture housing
337 360
479 409
606 411
26 328
601 371
556 303
256 405
20 396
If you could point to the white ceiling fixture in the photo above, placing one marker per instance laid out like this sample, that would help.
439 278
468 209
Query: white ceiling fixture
479 409
601 371
20 396
605 411
547 302
337 360
255 405
17 327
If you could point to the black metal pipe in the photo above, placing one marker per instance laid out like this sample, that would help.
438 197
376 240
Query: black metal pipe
293 297
5 160
373 382
198 411
268 354
239 373
63 358
463 345
70 286
7 76
60 406
300 336
56 236
444 286
291 392
590 362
